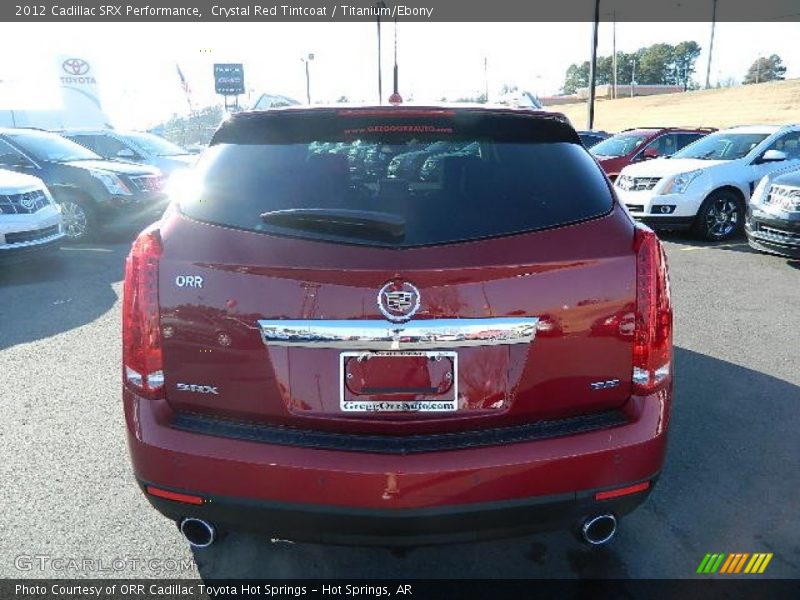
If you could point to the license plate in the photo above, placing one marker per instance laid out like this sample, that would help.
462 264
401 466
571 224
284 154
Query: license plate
412 381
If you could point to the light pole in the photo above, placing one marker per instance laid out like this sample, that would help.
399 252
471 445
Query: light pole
308 75
593 65
379 6
614 52
711 43
486 79
396 98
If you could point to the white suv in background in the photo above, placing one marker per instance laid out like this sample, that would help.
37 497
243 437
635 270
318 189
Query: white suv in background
30 221
705 187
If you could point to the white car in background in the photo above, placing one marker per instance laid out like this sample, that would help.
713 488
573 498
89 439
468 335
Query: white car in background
705 186
30 220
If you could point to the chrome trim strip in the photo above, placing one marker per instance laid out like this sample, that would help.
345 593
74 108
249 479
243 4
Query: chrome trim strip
428 334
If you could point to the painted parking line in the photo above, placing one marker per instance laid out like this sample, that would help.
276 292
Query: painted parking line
690 248
73 249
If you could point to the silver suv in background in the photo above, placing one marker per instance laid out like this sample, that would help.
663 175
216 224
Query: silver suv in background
133 146
773 215
30 221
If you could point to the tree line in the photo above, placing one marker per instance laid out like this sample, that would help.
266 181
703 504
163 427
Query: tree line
662 64
765 68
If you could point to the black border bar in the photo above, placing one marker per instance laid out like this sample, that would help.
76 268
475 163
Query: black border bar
402 10
471 589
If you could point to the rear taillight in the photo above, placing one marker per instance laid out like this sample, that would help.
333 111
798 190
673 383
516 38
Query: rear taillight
141 335
652 346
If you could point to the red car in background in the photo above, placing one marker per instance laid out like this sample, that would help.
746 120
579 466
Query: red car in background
643 143
329 354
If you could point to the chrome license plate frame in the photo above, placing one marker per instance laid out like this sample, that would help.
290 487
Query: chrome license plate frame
432 405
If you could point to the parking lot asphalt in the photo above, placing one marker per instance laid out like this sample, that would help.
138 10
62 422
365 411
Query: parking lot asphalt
730 483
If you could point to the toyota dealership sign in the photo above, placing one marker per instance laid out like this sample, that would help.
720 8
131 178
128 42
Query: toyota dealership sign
76 70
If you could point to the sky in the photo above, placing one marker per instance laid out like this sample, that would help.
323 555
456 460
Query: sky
135 63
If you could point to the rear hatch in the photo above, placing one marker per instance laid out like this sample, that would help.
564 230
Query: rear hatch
299 289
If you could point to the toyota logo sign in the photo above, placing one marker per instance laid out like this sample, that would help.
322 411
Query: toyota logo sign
75 66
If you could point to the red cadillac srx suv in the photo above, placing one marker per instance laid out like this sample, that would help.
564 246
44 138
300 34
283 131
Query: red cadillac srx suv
320 352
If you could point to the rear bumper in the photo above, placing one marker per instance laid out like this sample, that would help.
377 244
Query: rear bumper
400 527
340 496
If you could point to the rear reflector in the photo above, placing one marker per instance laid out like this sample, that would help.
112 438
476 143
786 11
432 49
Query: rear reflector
631 489
177 497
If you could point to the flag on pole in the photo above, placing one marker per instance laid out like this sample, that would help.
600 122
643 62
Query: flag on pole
185 86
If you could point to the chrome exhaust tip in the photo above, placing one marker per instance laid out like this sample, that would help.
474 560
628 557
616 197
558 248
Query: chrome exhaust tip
199 533
599 530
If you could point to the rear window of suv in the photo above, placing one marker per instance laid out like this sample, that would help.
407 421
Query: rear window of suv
325 175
